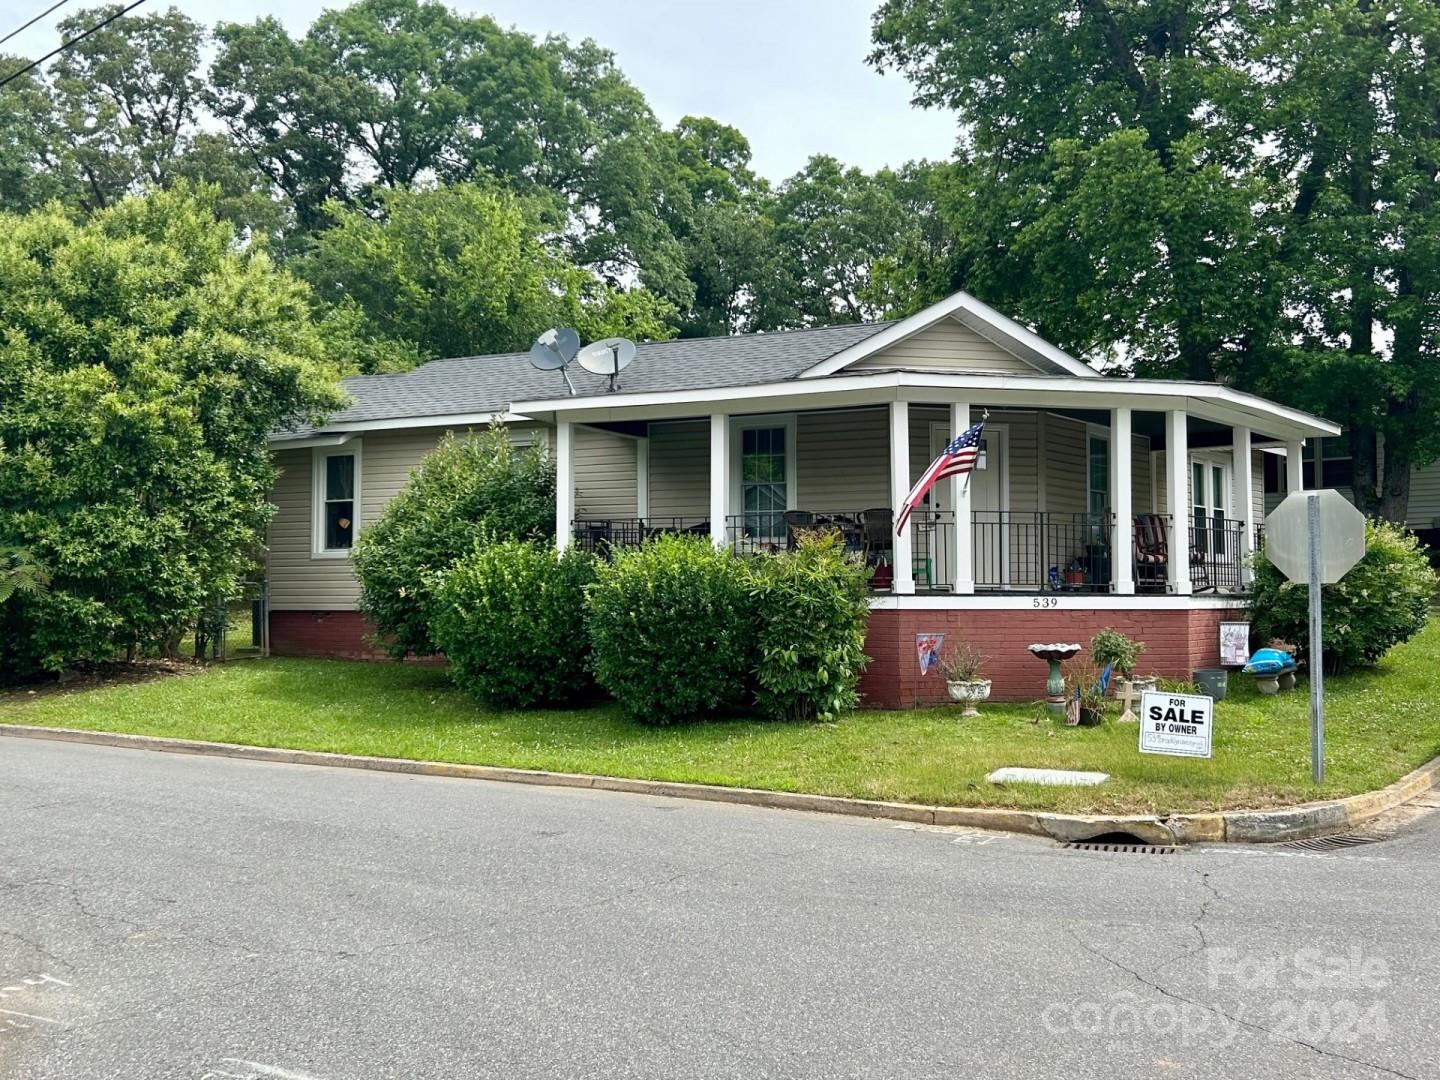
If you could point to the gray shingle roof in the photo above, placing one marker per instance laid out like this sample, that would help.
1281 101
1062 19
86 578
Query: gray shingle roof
481 384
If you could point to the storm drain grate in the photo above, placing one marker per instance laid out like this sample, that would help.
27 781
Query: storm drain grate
1336 843
1121 849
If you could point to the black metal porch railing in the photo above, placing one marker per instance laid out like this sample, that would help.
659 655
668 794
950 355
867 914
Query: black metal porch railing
1216 554
1012 551
599 534
1040 551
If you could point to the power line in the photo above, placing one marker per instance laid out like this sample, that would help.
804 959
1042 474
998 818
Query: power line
66 44
32 22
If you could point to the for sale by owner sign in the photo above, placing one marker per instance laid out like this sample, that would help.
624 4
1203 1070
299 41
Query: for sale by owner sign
1176 723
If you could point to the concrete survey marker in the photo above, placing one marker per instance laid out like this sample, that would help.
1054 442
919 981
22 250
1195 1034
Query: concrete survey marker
1050 777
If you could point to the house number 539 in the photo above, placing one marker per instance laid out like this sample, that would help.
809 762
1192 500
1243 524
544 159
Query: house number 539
1045 601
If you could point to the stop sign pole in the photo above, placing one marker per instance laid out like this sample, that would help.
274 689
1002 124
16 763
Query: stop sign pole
1317 649
1315 537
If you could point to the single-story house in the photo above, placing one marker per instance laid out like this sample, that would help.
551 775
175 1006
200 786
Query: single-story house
1096 501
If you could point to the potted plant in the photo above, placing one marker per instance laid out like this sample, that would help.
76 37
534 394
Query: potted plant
1112 647
1083 689
962 666
1074 574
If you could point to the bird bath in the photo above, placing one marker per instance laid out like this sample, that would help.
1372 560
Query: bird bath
1055 655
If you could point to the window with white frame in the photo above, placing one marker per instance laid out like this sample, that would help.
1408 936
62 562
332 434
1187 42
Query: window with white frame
1098 483
1209 503
764 490
336 491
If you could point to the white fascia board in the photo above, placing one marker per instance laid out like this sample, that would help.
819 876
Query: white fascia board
978 316
397 423
1206 400
308 442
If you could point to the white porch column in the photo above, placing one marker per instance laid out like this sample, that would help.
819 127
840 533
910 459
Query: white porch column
564 484
1294 465
719 477
961 553
642 477
1122 488
1242 496
1177 499
904 568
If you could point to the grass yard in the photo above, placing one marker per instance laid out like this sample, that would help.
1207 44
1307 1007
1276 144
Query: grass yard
1380 724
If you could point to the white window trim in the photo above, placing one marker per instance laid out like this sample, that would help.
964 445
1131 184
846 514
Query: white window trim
740 424
319 455
1207 461
1098 431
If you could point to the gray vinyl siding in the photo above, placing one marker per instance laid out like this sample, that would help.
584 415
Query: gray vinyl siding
1066 464
680 469
843 459
1140 475
1424 497
947 346
298 581
605 483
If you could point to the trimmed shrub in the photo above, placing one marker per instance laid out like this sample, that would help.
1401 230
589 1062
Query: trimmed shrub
1384 600
672 629
469 488
813 611
510 618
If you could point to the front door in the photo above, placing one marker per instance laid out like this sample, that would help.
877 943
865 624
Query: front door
987 489
1209 502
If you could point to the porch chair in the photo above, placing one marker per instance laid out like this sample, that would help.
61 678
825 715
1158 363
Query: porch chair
876 526
796 520
1152 555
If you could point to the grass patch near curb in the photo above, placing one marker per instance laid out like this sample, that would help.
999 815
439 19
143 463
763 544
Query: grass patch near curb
1380 725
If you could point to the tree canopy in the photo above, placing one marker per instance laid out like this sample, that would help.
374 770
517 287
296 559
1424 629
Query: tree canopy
144 359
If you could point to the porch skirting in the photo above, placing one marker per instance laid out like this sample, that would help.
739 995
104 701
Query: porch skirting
1177 641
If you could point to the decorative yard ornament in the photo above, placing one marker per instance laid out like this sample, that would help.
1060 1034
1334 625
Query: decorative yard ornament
1315 537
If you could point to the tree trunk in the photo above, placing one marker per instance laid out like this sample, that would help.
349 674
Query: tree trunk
1395 484
1365 484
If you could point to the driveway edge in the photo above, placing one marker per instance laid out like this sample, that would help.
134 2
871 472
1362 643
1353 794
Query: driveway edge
1235 826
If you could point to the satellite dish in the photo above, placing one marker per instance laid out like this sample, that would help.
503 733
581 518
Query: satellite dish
554 349
609 356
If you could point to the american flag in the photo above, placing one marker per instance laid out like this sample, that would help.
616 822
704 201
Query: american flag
956 459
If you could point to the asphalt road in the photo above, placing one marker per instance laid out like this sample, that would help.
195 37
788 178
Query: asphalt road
165 916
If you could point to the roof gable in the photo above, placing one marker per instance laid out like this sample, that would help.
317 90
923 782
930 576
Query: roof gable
958 333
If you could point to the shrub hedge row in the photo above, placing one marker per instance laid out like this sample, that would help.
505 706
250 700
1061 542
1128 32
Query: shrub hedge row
674 630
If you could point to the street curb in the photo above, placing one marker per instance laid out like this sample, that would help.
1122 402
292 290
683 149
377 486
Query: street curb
1236 826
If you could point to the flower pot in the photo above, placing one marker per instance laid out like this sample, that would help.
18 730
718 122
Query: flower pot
969 691
1074 578
1213 682
1267 684
1091 717
883 577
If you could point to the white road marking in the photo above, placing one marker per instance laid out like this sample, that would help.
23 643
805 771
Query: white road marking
269 1070
29 1016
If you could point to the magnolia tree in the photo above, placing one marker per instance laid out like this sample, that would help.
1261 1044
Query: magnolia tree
144 357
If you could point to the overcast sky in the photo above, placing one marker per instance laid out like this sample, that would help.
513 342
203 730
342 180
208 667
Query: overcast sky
790 74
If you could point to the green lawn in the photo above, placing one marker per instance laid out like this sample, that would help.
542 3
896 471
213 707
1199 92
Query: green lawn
1381 724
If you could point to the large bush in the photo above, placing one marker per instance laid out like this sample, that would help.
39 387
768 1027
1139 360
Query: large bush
813 610
469 488
1384 600
510 618
144 358
672 629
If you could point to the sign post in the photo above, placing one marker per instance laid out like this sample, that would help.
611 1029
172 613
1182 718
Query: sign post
1315 537
1317 645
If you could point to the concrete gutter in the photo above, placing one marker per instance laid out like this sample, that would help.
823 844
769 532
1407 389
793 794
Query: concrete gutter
1233 826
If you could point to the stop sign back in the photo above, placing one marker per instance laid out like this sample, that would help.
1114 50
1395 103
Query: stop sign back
1342 536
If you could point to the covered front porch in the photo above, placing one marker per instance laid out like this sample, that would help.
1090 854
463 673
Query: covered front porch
1066 498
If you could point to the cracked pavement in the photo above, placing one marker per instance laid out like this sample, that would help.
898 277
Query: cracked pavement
164 916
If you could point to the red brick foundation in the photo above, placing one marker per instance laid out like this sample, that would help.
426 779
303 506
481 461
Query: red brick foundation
330 634
1177 641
